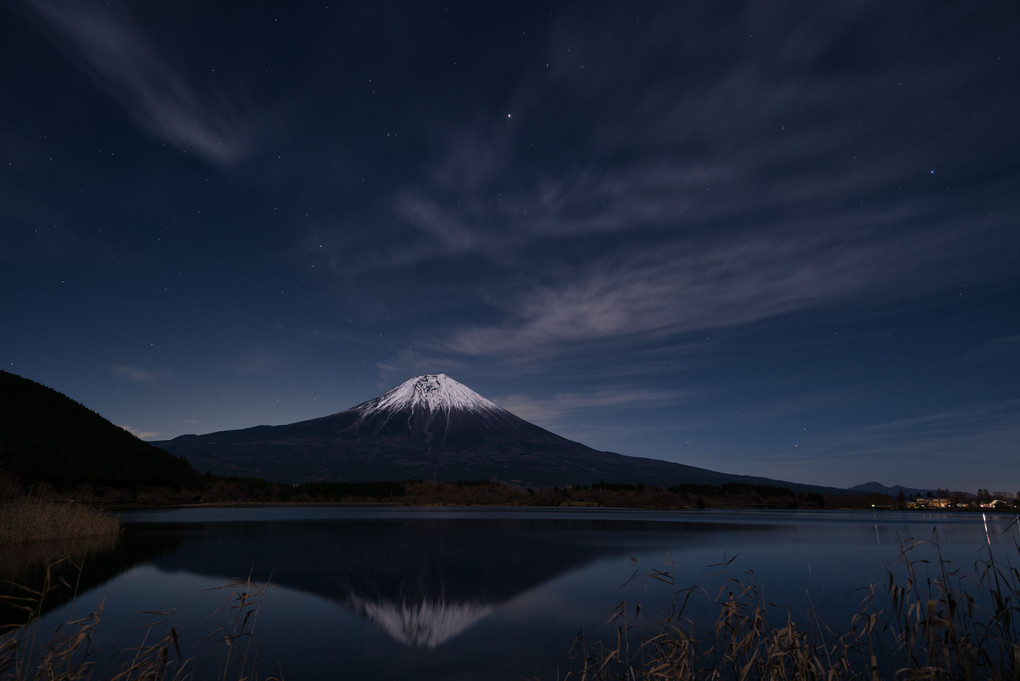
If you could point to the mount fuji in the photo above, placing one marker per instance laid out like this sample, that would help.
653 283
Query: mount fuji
429 428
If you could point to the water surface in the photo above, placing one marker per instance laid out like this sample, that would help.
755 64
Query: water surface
398 593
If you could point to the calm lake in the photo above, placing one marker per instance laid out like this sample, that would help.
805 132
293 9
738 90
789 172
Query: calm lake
410 593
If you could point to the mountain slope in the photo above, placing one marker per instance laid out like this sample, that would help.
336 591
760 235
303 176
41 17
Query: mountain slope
879 488
430 427
46 436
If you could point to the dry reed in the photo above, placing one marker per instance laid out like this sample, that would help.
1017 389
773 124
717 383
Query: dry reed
22 563
67 655
929 621
34 520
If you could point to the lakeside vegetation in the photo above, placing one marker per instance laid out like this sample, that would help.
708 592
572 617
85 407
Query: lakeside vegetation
221 490
929 621
25 519
27 654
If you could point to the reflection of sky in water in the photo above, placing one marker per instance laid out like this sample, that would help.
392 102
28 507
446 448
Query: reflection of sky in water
478 588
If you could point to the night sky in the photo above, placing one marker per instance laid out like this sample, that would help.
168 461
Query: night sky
779 239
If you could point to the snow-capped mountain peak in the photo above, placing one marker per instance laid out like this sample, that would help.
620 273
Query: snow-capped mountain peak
432 393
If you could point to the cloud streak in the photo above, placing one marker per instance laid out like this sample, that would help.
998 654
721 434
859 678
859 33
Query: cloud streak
254 363
135 374
156 96
753 189
551 410
694 286
141 434
912 451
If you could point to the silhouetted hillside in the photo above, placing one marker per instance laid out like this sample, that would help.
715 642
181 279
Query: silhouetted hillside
47 437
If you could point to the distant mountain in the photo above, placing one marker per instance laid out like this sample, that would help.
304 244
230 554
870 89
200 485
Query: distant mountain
433 428
46 436
877 487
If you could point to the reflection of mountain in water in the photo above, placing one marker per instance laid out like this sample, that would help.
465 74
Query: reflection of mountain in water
423 581
424 624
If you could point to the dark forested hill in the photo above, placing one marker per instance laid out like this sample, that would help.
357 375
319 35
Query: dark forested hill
47 437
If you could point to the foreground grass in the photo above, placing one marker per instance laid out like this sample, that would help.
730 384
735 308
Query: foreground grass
68 655
33 520
930 622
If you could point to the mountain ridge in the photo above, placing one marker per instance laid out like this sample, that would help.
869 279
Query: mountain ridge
431 428
891 490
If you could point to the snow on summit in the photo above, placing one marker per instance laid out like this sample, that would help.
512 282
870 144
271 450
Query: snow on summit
433 393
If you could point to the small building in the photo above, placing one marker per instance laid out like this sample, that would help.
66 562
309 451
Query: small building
931 502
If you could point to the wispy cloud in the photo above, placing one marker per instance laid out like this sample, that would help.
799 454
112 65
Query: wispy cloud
549 411
136 374
142 434
747 192
950 432
620 209
910 451
146 83
697 285
254 363
995 350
